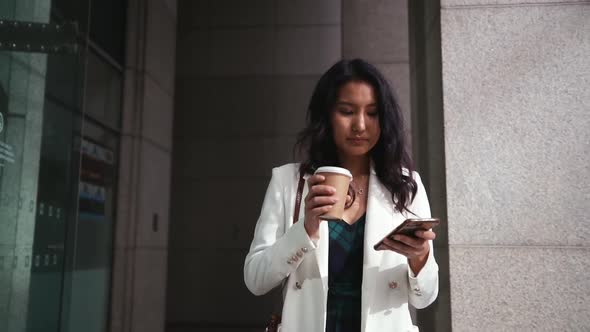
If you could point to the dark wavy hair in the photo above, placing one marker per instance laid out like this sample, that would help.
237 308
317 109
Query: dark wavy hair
315 143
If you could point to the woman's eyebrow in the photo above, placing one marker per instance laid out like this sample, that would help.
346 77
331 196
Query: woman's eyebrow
345 103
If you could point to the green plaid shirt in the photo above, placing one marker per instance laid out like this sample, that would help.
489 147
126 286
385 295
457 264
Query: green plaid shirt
345 276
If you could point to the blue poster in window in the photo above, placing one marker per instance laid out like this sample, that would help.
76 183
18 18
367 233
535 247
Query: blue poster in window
97 177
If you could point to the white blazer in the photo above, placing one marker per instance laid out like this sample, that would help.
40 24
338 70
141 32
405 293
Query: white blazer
388 283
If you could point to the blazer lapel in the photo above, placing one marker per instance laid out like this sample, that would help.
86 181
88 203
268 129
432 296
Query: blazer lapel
322 253
379 222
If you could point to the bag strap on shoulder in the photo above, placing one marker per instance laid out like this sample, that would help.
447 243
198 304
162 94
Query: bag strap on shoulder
298 198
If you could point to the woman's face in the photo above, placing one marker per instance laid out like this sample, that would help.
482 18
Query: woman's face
355 120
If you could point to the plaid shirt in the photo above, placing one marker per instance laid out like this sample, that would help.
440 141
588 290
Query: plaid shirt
345 276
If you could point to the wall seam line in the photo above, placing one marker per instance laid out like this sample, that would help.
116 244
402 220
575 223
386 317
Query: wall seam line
481 246
514 5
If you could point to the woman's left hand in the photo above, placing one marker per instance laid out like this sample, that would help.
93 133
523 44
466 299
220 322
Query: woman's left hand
415 248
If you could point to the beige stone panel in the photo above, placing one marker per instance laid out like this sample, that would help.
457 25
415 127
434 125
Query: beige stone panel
149 295
519 289
308 12
517 129
158 111
307 50
375 30
160 44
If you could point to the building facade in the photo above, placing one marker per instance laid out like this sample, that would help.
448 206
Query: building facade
127 128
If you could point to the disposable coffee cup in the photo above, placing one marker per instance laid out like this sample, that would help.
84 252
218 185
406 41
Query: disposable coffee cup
338 178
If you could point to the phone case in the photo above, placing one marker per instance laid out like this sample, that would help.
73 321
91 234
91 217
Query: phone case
409 227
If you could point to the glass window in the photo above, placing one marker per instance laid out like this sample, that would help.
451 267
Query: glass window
103 92
57 176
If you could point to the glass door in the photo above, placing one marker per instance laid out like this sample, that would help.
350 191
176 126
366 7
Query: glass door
42 66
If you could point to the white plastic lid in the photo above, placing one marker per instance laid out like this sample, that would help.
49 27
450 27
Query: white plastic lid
333 169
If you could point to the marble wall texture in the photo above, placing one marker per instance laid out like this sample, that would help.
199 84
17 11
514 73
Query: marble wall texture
517 141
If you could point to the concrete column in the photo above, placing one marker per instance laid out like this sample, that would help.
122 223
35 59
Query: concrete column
377 31
245 74
517 133
428 144
141 246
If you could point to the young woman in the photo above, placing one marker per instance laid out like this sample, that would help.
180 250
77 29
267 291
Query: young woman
334 279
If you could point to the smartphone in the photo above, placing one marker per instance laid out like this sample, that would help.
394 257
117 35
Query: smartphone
409 227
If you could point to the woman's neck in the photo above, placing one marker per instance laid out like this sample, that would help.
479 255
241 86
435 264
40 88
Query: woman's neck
357 165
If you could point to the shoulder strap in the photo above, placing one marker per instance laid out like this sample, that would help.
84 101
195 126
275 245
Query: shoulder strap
298 198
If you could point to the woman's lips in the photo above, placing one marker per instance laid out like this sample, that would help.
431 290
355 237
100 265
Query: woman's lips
358 140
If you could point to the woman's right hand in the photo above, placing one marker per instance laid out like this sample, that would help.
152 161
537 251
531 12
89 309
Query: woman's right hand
319 200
